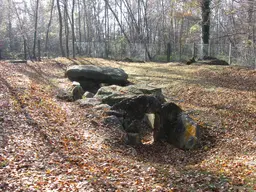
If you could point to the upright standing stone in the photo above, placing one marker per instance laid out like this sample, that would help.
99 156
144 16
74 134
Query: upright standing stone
177 127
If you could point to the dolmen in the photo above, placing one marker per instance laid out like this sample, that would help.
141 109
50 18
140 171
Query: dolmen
137 110
90 76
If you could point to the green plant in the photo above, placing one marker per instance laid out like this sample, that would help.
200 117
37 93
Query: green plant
3 164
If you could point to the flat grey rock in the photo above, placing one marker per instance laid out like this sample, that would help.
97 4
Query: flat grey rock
98 74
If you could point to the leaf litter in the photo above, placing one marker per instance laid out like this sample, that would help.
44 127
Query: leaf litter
51 145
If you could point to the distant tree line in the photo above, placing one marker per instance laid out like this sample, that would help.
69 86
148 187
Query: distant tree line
63 25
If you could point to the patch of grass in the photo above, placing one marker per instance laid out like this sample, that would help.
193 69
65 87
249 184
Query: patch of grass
53 81
3 164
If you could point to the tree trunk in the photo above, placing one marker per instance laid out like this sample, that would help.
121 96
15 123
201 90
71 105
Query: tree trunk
146 39
22 30
205 8
121 27
10 33
250 23
35 30
48 29
79 27
73 29
66 17
106 31
180 38
60 32
39 50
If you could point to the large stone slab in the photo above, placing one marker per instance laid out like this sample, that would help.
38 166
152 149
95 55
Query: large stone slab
97 74
178 128
133 111
114 94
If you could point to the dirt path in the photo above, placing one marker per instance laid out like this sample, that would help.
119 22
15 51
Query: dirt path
47 144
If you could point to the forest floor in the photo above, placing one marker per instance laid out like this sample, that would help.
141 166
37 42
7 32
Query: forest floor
52 145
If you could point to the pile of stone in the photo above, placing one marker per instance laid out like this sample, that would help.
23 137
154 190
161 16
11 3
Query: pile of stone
136 110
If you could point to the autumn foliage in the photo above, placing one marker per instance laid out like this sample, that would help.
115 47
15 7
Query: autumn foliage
48 144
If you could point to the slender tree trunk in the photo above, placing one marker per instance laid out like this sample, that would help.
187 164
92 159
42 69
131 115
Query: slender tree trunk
116 17
22 30
163 24
79 27
146 39
85 17
48 29
133 21
139 18
35 30
10 33
180 39
250 23
98 25
25 50
39 49
87 23
106 31
61 28
73 29
66 17
218 30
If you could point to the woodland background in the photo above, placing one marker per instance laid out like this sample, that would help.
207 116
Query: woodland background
138 29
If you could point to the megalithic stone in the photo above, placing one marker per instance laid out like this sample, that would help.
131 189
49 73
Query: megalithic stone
177 127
